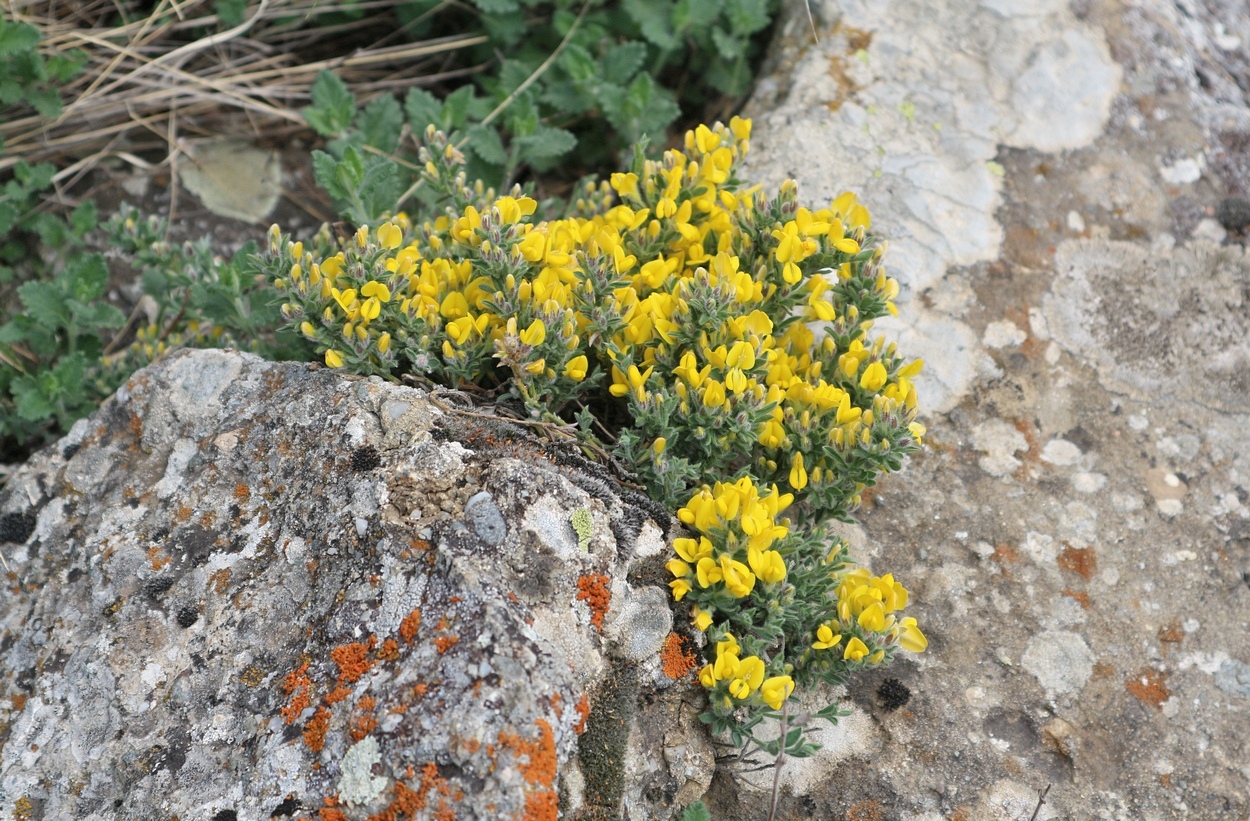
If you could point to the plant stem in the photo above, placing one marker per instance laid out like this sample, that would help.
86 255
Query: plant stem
780 762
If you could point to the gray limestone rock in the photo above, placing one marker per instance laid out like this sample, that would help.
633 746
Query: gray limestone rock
244 586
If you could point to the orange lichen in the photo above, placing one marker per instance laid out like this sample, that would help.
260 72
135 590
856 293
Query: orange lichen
554 701
1078 560
866 810
315 730
220 580
332 814
445 643
583 710
182 514
157 558
337 695
541 806
540 770
410 625
1078 596
389 650
298 686
365 722
677 658
593 589
1171 633
352 659
241 492
1149 686
419 690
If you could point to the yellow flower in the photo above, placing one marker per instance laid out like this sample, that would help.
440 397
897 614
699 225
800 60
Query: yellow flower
826 639
855 649
767 565
909 636
376 289
678 568
334 359
798 475
537 366
370 309
307 328
575 368
692 550
738 578
872 618
714 394
748 678
657 447
384 342
512 209
680 588
707 572
776 690
874 377
390 235
702 619
535 333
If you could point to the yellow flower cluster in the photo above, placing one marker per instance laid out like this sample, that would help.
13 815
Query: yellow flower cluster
688 298
744 526
734 679
868 603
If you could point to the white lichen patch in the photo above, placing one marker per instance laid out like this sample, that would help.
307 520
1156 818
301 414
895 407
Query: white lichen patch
357 783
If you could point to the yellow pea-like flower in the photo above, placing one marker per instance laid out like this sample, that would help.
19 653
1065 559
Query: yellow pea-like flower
334 359
535 333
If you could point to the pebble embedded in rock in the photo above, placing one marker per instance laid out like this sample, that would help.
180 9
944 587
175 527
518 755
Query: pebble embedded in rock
1061 452
484 516
1060 660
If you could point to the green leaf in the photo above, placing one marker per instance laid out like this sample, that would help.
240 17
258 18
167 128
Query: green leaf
333 106
421 108
496 6
84 218
45 304
8 216
546 143
381 122
622 62
325 168
730 47
456 108
697 811
29 400
485 142
86 277
47 103
581 67
652 17
747 16
15 37
229 12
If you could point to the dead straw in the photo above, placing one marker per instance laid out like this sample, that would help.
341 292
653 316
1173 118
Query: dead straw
141 68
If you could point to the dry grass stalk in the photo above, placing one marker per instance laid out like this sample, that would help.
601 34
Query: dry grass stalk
144 70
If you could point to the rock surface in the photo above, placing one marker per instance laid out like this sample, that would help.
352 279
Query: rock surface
250 590
1053 178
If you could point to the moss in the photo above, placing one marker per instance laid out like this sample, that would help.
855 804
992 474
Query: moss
601 748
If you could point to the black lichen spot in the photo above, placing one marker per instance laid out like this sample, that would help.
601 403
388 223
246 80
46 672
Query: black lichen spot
16 527
70 450
226 815
188 615
1234 214
893 694
155 588
288 807
365 458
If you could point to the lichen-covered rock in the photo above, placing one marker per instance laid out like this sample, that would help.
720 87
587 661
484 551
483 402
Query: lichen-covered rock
253 590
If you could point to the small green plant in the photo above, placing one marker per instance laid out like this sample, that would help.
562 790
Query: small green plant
594 82
668 312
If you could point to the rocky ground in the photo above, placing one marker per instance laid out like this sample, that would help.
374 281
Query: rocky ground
1062 185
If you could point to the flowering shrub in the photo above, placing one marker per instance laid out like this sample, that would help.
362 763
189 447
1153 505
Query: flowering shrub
671 306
